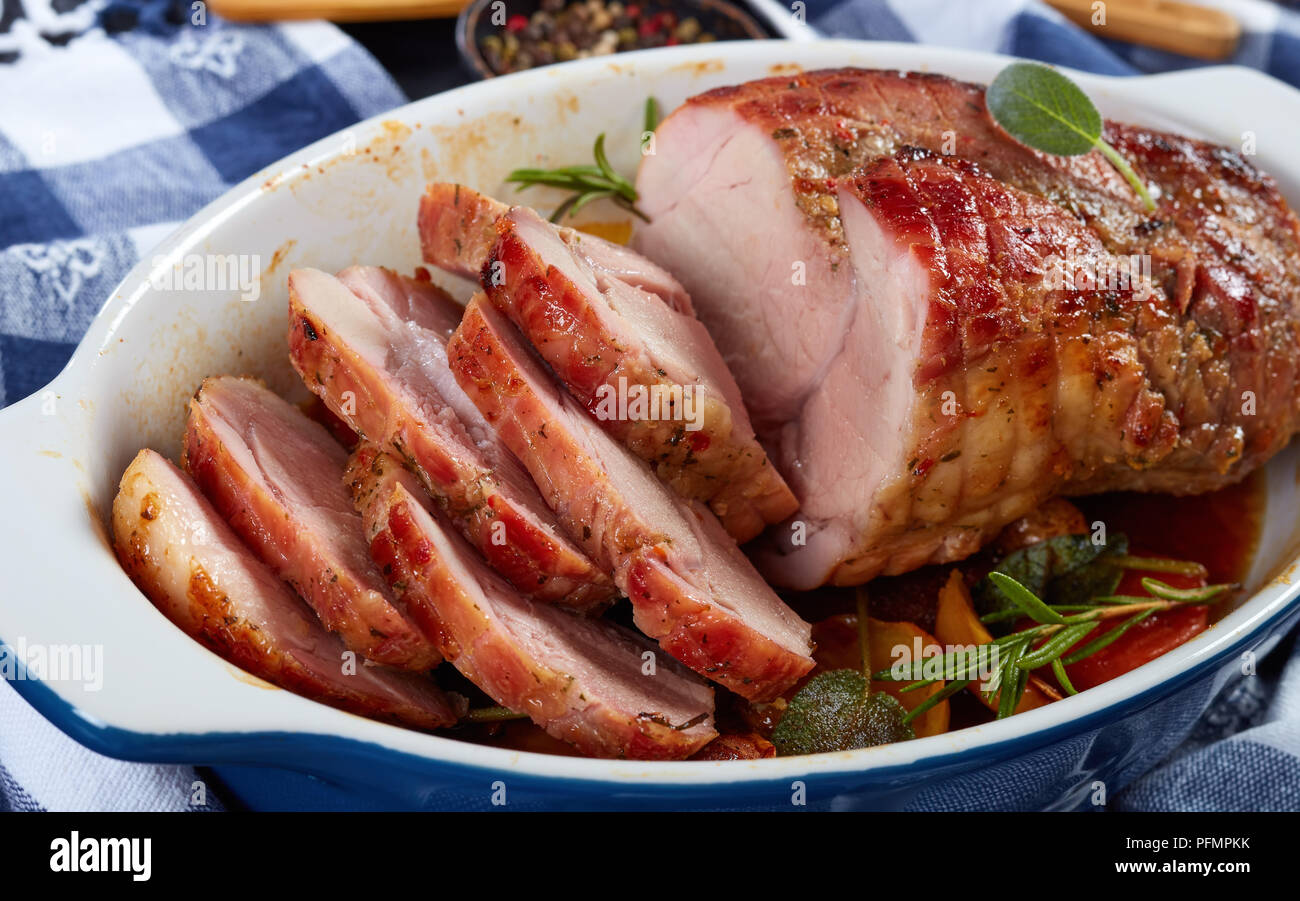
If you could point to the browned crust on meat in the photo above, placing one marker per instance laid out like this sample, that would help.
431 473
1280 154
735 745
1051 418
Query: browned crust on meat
707 638
1022 390
206 614
538 562
255 515
737 746
457 228
720 464
486 656
1222 242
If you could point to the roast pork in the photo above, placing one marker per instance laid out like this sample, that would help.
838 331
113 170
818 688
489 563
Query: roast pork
458 227
596 685
935 327
371 344
277 478
194 568
651 376
691 587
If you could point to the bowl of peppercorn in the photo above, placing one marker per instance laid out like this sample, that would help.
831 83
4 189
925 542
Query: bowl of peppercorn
497 37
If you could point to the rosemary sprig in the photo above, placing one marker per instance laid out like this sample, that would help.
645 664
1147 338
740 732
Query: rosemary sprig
1058 670
590 182
1161 565
1102 641
1056 630
651 118
492 715
1026 600
942 694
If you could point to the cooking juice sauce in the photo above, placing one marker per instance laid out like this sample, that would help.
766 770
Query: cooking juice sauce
1219 530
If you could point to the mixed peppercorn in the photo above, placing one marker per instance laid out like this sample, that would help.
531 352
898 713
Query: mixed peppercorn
561 31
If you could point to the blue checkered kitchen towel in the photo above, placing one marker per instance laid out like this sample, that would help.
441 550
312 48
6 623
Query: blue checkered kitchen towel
108 139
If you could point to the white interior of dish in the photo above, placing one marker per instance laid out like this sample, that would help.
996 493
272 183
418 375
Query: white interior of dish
351 199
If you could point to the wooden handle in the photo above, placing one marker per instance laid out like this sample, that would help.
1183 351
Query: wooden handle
1164 24
336 10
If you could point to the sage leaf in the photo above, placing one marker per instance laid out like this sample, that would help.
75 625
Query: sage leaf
1041 108
836 711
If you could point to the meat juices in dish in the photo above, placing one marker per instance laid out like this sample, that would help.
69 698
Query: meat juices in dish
371 345
690 586
458 227
584 680
200 576
277 478
613 344
845 399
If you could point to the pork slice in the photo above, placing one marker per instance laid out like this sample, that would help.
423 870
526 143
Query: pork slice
650 375
372 345
744 194
690 586
584 680
277 478
458 228
189 562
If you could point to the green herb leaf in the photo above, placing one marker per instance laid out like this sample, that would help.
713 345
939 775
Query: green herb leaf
958 663
1066 571
1163 565
587 183
1010 680
1201 595
1107 638
942 694
1062 678
1052 649
837 712
1025 599
1040 107
651 115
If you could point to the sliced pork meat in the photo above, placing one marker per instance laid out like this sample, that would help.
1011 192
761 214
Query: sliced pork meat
372 345
458 229
277 478
691 587
196 571
1187 386
650 375
620 333
585 681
